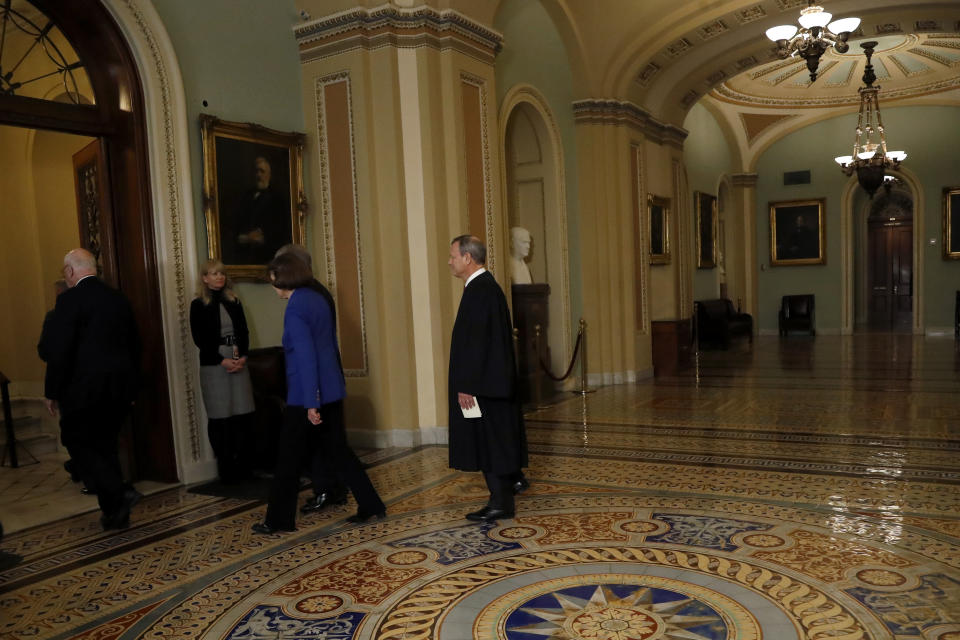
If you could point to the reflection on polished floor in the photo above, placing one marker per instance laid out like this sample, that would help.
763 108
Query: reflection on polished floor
799 489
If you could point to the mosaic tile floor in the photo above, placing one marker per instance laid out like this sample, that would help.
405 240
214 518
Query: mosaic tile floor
801 489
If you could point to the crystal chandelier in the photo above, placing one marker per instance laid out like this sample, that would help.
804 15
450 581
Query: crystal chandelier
870 159
815 35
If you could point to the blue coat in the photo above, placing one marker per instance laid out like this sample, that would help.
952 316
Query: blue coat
314 376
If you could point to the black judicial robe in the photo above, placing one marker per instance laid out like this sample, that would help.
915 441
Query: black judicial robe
482 364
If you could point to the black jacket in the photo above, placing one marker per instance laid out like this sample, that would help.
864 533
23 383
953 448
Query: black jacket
205 327
93 348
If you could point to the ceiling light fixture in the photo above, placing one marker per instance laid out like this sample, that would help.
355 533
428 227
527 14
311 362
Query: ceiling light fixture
815 35
870 159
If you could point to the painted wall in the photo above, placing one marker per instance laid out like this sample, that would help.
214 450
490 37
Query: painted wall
707 157
533 54
39 217
245 66
930 137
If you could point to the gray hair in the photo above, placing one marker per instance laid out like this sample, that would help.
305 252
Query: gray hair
473 246
81 260
298 251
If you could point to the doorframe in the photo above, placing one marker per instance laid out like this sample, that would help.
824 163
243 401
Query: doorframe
174 221
850 226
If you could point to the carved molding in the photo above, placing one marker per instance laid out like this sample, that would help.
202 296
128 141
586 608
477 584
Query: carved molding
621 112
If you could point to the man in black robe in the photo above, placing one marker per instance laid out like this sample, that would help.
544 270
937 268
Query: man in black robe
483 373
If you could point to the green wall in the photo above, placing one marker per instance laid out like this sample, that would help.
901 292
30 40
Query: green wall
245 65
534 54
930 136
707 157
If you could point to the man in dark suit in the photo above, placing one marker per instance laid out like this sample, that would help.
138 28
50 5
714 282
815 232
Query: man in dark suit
263 220
483 373
93 349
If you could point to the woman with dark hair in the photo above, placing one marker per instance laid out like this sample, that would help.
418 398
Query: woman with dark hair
219 330
315 392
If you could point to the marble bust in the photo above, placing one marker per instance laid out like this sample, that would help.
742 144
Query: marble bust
519 250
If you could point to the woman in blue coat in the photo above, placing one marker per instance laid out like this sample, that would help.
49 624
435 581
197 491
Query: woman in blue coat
315 392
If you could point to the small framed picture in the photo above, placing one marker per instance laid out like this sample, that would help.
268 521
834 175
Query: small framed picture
659 211
253 193
797 233
706 207
951 223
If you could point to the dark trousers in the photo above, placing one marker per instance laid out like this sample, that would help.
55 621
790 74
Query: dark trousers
295 438
230 439
500 487
91 437
322 474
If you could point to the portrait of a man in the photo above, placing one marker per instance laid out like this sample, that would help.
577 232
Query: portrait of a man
796 232
253 183
256 216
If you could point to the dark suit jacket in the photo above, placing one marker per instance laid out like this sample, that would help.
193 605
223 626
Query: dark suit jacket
314 376
482 364
93 348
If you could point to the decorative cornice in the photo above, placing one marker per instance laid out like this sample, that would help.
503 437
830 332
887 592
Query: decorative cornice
744 179
622 112
390 26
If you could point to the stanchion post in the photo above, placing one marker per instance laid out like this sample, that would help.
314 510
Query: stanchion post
538 378
584 390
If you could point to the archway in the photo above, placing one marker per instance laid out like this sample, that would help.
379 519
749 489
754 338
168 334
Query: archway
117 119
536 200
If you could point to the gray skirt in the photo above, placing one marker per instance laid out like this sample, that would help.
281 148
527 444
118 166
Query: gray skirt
225 394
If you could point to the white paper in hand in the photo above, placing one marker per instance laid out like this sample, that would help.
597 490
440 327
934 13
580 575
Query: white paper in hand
472 412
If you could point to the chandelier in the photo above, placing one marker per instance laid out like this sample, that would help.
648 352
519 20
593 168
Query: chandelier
870 159
815 35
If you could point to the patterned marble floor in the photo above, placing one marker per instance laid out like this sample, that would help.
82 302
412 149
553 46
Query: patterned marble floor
798 489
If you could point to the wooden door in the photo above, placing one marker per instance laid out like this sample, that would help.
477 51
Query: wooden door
94 211
890 260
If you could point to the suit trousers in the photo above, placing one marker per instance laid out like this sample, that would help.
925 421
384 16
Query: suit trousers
91 437
295 437
500 487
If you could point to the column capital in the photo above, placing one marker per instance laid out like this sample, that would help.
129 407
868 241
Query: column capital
363 28
744 179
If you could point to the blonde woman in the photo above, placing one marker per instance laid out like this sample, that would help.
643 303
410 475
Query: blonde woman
220 332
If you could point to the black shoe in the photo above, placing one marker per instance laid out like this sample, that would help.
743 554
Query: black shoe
521 485
263 527
131 497
478 515
87 492
497 514
360 518
322 500
118 520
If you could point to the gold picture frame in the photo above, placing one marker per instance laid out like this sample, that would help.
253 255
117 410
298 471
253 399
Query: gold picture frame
658 212
253 197
951 223
706 207
797 233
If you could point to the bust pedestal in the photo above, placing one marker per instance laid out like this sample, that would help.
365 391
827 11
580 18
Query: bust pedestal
531 308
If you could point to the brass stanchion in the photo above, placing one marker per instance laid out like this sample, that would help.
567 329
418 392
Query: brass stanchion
538 378
584 390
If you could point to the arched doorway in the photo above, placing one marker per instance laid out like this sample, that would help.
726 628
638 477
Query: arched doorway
116 122
536 201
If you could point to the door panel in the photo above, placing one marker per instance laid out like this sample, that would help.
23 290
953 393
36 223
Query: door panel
890 276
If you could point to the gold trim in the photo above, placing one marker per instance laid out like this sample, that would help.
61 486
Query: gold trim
951 196
664 205
326 207
775 259
212 128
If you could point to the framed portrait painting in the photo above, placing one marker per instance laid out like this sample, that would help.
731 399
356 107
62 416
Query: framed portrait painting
706 208
951 223
658 210
797 233
252 193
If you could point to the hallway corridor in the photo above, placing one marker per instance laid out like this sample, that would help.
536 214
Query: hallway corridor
797 488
